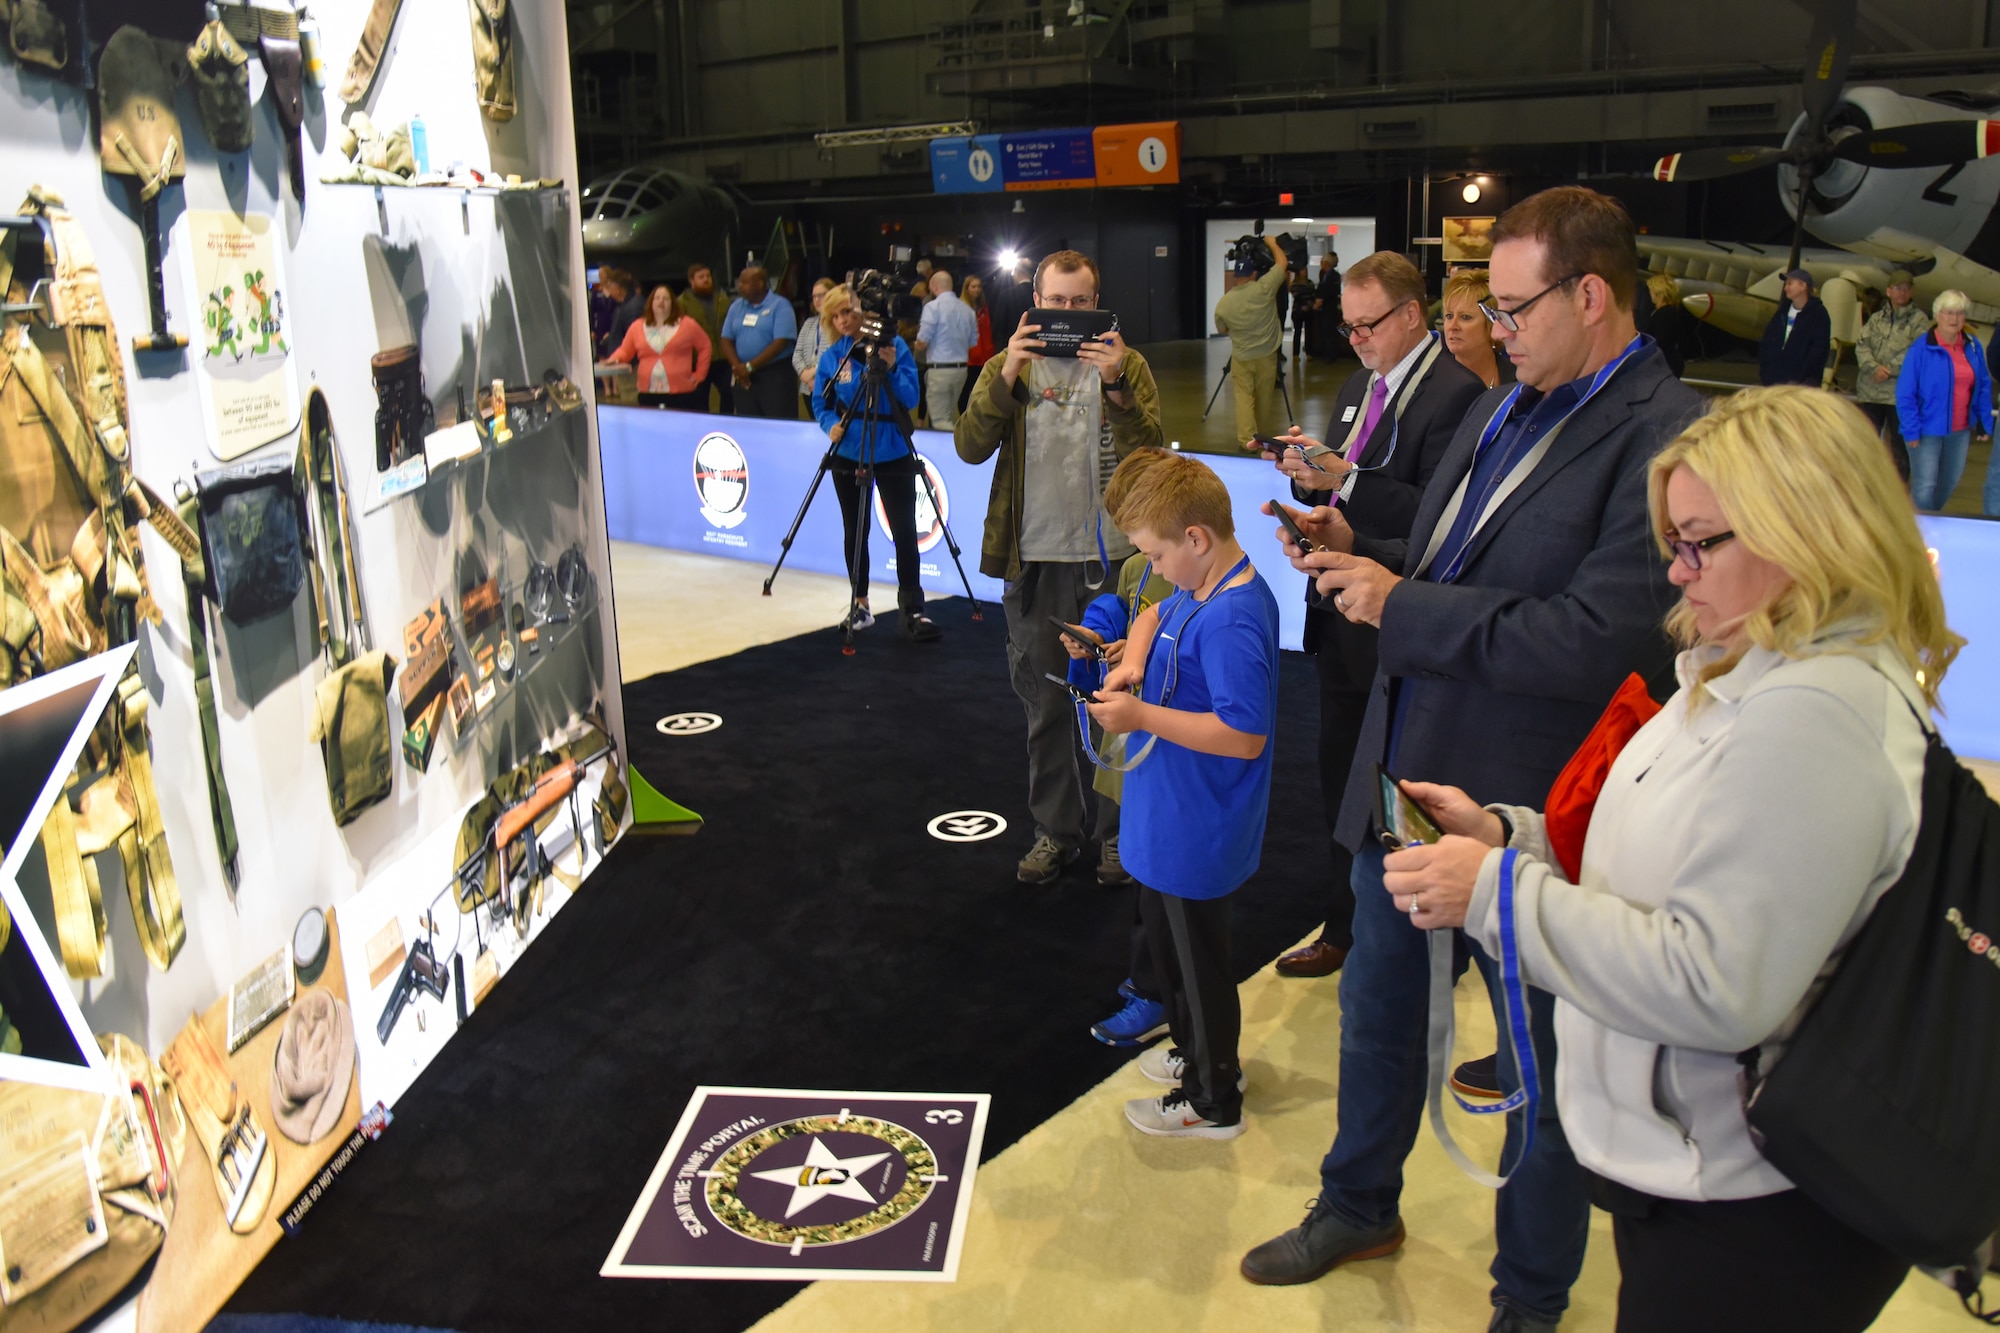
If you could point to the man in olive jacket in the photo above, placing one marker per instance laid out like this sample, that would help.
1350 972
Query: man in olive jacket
1060 426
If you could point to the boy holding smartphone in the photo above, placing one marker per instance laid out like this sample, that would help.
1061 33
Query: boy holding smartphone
1205 663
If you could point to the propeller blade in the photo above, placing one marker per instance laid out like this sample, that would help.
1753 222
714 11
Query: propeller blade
1702 164
1826 59
1936 143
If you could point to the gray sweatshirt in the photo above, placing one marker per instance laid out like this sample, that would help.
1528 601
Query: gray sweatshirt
1732 854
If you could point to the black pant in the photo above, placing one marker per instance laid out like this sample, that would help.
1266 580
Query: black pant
1890 427
1190 942
897 478
773 393
1345 656
725 387
1778 1262
694 400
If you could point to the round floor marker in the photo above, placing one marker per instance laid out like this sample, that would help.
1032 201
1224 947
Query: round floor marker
688 724
966 826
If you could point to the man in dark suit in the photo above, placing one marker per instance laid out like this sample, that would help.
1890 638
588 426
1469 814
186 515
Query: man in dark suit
1530 586
1798 337
1391 426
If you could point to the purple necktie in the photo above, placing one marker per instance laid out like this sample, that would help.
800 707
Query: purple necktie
1377 399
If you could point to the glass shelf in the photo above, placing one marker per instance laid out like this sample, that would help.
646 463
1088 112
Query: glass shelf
413 476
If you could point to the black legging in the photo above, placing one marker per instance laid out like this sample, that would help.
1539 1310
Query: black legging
897 478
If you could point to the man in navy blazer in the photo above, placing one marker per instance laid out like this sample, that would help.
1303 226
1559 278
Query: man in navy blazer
1529 587
1392 427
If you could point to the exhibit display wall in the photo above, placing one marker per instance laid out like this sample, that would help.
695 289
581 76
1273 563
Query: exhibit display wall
429 339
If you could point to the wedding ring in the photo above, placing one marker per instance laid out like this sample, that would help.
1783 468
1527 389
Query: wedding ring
1340 600
1415 906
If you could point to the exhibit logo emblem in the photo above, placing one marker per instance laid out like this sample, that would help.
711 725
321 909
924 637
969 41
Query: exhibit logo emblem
966 826
930 521
721 479
687 724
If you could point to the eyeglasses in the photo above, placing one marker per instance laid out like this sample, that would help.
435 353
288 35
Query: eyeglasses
1510 320
1367 329
1689 553
1065 302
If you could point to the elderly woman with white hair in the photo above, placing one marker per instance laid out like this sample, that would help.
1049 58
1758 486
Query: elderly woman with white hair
1944 396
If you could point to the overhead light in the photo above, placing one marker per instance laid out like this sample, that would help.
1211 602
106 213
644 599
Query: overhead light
1308 221
1470 193
1007 261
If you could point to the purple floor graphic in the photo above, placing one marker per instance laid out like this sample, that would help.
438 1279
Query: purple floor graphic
784 1184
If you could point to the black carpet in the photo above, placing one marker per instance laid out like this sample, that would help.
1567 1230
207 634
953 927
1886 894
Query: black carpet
812 935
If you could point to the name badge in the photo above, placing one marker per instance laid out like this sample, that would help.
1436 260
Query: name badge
1347 417
750 321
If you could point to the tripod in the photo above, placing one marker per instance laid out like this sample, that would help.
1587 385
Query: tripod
867 404
1282 393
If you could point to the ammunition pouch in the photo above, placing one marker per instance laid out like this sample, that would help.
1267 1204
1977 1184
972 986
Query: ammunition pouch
403 413
140 134
350 722
221 70
493 57
253 537
87 1189
35 35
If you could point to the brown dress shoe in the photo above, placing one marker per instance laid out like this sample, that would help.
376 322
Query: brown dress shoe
1318 959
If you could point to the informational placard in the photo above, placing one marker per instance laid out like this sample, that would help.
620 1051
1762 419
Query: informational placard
786 1185
234 273
966 165
1148 154
1049 160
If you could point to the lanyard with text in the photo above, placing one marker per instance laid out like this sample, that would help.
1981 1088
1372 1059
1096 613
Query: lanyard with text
1167 608
1498 488
1527 1094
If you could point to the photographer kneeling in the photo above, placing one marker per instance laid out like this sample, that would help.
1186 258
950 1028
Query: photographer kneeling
876 439
1740 841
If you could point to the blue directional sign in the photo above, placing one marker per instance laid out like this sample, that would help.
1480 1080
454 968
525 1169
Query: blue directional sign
966 166
1049 160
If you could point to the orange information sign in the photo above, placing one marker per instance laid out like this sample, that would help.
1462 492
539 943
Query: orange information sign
1147 154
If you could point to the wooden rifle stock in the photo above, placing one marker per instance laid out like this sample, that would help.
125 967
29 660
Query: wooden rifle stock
549 790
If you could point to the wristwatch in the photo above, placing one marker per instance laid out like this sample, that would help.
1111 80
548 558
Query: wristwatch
1122 384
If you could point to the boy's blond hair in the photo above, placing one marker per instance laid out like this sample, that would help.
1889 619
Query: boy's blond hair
1168 493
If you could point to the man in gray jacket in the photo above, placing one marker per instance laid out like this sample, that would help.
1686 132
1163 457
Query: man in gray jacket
1528 589
1885 340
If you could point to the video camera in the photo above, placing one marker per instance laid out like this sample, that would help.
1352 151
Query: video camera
885 295
1251 250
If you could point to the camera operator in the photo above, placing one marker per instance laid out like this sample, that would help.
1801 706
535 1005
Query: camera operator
1250 314
1396 420
872 438
1060 425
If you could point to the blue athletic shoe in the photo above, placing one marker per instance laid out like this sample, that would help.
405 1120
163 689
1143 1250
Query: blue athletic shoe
1136 1024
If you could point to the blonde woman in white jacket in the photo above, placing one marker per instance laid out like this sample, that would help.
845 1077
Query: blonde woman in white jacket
1741 839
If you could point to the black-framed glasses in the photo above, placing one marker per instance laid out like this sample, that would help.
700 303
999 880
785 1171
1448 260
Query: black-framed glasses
1352 331
1510 320
1689 553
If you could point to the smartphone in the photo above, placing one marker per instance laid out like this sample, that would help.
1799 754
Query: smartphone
1305 544
1074 693
1096 650
1063 331
1271 444
1402 821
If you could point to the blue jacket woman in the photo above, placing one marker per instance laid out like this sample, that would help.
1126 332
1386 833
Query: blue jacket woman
1944 396
873 441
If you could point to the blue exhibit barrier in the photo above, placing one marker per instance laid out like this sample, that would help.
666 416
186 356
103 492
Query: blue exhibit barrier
730 486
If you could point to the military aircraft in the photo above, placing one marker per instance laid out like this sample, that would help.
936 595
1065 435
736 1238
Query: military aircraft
1893 181
657 219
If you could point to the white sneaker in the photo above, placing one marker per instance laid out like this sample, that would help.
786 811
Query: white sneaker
1166 1064
860 617
1172 1117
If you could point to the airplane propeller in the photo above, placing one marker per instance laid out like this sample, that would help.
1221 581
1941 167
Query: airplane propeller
1930 144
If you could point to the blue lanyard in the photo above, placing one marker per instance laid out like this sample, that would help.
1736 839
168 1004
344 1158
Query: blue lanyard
1456 565
1184 597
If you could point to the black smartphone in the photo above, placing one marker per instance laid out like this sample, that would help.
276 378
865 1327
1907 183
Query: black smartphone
1271 444
1067 684
1401 820
1305 544
1063 331
1095 649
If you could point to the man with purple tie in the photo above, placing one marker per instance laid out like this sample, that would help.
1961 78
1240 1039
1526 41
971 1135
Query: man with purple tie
1390 427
